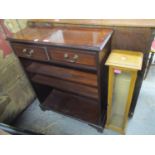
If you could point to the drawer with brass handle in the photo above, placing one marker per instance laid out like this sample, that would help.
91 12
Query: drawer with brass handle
72 59
30 51
72 56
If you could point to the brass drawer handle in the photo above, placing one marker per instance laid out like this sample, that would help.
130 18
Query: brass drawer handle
66 56
24 50
29 54
75 57
73 60
31 51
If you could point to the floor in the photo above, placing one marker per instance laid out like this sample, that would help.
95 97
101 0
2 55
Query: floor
48 122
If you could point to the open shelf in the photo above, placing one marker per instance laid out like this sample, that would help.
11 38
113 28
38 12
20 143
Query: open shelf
78 89
72 75
73 105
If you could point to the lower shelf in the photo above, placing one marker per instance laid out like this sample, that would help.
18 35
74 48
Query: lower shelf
74 106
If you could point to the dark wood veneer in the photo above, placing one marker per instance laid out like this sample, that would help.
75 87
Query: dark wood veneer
72 75
30 52
79 38
79 89
74 106
83 57
67 68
